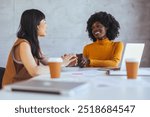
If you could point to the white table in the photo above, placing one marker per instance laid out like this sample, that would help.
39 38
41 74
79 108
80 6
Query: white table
101 86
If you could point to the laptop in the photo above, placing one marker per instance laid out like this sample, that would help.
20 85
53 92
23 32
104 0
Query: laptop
132 50
50 87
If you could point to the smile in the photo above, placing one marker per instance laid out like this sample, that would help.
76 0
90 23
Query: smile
97 33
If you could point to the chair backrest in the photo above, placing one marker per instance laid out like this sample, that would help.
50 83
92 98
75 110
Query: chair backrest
2 70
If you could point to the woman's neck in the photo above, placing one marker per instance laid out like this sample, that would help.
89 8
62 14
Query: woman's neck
102 38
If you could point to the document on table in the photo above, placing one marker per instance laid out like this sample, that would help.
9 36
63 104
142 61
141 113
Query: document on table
141 72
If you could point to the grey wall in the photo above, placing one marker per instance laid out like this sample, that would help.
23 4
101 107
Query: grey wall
66 21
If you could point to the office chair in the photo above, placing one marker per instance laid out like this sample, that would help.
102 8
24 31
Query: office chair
2 70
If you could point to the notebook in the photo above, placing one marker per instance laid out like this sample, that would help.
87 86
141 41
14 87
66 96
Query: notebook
50 87
132 50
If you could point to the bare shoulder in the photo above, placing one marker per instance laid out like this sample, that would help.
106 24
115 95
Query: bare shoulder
25 51
24 45
25 48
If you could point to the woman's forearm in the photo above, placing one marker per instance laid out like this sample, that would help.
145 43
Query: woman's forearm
39 70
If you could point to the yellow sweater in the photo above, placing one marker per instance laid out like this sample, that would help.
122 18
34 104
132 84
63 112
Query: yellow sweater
104 53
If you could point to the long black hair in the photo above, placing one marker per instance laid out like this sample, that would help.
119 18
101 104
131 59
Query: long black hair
108 21
30 19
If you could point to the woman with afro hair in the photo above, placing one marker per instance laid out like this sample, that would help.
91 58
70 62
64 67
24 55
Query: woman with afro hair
102 29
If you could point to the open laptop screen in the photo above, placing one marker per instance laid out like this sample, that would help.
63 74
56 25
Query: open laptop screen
132 50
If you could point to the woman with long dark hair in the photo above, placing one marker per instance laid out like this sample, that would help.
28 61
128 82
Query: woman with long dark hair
26 55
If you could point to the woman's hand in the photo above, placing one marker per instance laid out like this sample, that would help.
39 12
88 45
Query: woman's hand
84 62
69 60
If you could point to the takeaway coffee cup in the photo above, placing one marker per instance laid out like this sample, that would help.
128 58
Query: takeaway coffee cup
55 67
132 66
